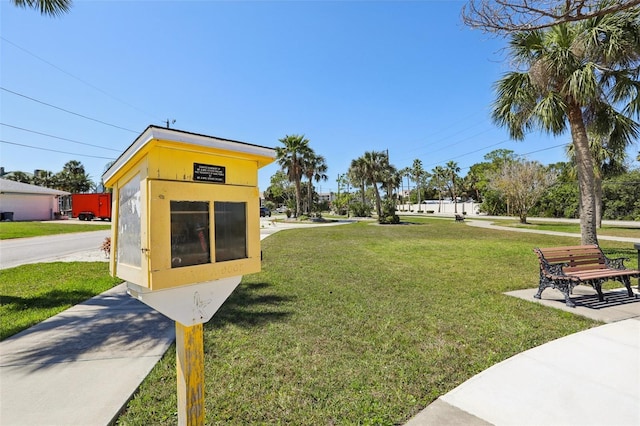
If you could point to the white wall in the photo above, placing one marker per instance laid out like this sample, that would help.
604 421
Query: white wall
29 206
446 207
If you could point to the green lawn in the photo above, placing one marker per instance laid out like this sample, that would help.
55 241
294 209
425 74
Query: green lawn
36 229
30 294
614 231
365 324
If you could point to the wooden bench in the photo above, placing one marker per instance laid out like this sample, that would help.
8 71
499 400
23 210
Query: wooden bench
459 218
563 268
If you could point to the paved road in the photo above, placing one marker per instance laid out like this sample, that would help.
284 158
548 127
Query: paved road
20 251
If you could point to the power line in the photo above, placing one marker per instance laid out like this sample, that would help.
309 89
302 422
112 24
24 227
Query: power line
440 140
544 149
75 77
58 137
67 111
471 152
55 150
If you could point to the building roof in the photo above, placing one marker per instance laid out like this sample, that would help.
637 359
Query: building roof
263 154
12 187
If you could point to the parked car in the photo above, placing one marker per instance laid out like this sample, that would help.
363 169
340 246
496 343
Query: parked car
264 211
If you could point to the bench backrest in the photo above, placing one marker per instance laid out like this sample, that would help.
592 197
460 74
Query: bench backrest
578 258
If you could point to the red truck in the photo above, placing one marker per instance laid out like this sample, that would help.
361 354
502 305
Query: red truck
91 206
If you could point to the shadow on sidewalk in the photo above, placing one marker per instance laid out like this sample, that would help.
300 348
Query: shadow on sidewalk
110 325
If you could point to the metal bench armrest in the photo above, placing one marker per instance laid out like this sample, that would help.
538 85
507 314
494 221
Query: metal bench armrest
617 263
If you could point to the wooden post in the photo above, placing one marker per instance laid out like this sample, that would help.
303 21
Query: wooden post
190 369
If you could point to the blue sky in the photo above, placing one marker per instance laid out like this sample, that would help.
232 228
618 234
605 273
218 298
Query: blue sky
352 76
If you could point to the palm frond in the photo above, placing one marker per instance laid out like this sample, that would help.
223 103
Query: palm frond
52 8
549 114
515 101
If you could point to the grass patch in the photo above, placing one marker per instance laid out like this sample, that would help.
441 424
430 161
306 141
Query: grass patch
30 294
364 324
609 230
36 229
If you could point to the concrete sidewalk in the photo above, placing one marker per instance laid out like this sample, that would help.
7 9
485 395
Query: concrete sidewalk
587 378
81 366
492 225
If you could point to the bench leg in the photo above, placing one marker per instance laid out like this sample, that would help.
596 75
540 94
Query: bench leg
598 286
562 286
567 299
627 283
544 283
566 287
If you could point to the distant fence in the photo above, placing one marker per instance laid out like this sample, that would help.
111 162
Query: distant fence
435 206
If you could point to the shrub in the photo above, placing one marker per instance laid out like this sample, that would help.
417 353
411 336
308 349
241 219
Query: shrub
389 215
106 246
360 210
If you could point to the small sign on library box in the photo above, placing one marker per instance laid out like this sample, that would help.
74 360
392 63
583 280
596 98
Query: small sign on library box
209 173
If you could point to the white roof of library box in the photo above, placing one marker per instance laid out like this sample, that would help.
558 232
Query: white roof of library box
161 133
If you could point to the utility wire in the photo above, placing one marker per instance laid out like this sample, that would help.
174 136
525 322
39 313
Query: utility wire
471 152
544 149
75 77
58 137
55 150
67 111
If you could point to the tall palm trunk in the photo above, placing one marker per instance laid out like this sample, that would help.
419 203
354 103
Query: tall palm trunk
409 193
378 200
586 175
298 198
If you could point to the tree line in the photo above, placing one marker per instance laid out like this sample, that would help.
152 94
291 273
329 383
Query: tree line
577 66
72 178
503 184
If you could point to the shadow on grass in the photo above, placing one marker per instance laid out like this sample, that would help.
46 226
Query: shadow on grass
109 325
113 324
51 299
55 299
250 306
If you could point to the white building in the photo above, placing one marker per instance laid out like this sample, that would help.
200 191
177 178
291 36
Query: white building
21 201
441 206
326 197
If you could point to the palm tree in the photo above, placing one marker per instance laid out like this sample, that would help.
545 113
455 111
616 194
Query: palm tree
576 74
406 172
44 178
397 184
417 173
46 7
375 166
452 171
18 177
357 176
73 178
439 181
314 168
290 156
